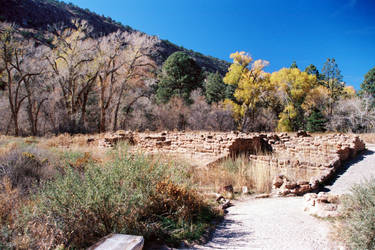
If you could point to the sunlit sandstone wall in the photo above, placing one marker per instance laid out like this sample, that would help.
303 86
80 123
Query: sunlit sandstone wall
304 161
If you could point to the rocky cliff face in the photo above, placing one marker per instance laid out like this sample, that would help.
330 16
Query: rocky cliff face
39 15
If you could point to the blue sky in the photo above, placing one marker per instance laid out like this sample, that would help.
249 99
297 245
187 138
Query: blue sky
281 32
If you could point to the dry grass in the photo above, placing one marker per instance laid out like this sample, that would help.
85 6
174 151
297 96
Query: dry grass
237 172
157 191
65 144
241 171
9 201
368 138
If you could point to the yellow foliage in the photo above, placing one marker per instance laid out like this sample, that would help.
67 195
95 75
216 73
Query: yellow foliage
241 58
253 84
285 122
349 92
294 83
318 97
293 86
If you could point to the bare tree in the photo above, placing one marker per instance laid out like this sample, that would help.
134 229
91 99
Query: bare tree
353 115
137 107
221 118
36 88
122 67
203 116
137 68
75 69
172 115
17 59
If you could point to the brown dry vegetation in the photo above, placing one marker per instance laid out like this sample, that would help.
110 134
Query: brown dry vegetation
66 152
240 172
368 137
237 172
59 191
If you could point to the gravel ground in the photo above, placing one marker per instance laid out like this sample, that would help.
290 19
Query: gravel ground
355 172
281 223
275 223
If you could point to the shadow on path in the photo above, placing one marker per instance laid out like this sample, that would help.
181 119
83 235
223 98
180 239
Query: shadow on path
343 169
227 233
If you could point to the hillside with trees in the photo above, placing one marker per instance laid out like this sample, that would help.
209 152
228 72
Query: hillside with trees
39 17
71 70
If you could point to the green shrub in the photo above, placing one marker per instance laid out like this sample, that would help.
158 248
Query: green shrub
131 194
359 217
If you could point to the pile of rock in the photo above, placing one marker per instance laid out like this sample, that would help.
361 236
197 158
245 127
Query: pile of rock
282 186
110 140
322 204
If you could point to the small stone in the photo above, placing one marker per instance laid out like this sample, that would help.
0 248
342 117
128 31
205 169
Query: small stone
226 205
290 185
278 181
220 199
262 196
303 189
302 183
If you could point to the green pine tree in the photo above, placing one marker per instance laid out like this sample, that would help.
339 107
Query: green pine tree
368 84
294 65
215 88
316 122
180 75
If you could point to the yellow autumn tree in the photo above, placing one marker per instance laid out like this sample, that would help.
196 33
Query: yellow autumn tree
252 85
316 99
349 92
293 86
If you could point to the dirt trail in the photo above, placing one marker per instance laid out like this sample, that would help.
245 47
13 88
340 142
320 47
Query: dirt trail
356 171
281 223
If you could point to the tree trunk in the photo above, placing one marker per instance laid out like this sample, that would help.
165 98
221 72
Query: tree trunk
81 123
117 108
102 119
30 112
15 121
102 109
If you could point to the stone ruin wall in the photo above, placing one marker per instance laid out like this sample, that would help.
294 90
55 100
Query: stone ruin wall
320 155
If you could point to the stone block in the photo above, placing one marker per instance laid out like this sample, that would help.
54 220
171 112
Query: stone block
119 242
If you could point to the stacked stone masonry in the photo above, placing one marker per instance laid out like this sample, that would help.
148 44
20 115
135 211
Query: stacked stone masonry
321 155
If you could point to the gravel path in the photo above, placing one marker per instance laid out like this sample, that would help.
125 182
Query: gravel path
276 223
355 172
281 223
